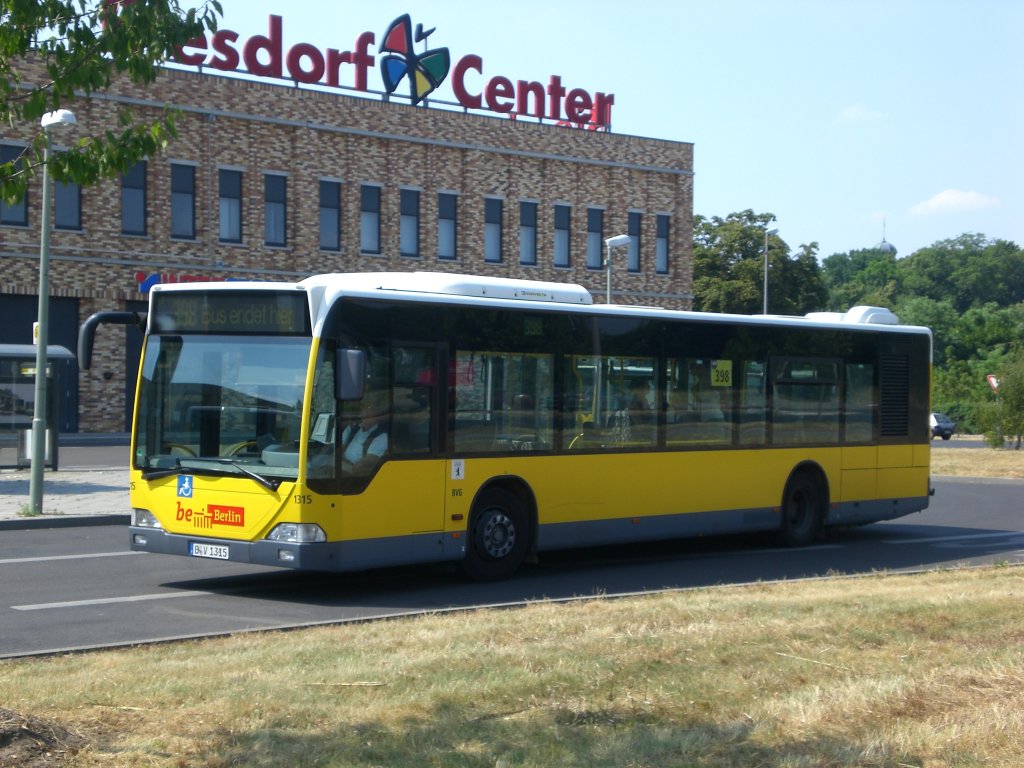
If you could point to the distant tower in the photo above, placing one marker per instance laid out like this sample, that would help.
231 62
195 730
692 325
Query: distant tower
885 246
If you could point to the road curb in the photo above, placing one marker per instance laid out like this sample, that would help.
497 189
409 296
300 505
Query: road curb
70 521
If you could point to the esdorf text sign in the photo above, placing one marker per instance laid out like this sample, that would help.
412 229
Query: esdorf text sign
400 67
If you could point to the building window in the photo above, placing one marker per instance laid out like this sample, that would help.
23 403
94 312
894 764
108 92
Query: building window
409 223
447 218
635 218
661 244
563 215
369 219
133 200
595 238
67 210
492 230
230 206
527 233
15 214
275 209
183 201
330 215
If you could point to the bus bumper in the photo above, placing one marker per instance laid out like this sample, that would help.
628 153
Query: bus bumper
334 556
311 556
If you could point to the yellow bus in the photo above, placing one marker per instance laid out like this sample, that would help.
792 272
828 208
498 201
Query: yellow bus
352 421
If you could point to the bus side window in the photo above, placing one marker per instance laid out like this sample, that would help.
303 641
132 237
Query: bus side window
699 402
860 403
753 427
323 404
579 404
411 398
503 401
631 416
323 428
805 401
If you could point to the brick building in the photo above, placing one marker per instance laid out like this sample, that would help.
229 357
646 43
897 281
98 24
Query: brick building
270 181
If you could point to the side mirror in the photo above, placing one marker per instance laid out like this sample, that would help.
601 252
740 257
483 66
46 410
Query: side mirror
87 333
349 374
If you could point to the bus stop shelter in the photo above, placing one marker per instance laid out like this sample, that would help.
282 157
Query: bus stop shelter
17 401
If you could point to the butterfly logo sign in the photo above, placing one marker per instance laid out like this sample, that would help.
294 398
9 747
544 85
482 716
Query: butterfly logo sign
425 71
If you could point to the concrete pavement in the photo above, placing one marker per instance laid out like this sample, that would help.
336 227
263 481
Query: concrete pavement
90 488
70 497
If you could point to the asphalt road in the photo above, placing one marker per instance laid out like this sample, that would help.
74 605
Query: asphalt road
80 588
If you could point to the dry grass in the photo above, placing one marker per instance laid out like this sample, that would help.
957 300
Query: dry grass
890 671
921 670
976 461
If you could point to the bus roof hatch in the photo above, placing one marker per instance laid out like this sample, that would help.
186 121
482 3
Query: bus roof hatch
862 314
478 285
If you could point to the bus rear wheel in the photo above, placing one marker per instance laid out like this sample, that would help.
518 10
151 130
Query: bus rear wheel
499 537
803 510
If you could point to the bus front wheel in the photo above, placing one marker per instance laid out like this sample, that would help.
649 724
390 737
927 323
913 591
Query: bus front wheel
499 537
803 510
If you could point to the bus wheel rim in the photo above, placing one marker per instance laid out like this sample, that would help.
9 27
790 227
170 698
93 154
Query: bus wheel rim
498 535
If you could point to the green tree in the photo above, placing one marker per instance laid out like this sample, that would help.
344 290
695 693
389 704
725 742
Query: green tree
966 348
969 290
54 51
728 268
1011 395
868 276
1003 418
981 332
968 271
796 282
937 315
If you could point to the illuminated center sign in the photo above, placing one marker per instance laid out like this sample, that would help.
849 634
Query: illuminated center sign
401 66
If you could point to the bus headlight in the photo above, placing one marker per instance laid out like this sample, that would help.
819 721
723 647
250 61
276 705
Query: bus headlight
298 533
143 518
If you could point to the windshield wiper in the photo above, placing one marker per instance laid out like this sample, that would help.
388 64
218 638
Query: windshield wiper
264 481
156 474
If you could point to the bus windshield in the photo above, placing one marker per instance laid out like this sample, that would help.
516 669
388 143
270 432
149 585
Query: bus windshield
216 403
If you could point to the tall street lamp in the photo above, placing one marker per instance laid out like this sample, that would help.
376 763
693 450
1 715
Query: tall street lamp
611 242
767 232
59 119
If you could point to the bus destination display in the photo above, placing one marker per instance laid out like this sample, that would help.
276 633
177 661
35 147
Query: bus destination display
223 311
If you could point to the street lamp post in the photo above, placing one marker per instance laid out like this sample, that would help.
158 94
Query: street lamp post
60 118
611 242
767 232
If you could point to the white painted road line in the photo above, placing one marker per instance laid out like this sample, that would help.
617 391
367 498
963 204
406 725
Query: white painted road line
14 560
109 600
966 537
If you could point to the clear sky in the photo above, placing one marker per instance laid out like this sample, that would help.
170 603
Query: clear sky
838 116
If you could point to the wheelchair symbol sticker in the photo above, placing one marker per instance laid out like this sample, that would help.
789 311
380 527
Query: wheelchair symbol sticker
185 486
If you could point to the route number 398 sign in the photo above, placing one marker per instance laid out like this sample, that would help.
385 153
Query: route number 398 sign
721 373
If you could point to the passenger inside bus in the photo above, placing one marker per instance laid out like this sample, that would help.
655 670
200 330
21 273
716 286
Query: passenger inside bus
639 405
634 423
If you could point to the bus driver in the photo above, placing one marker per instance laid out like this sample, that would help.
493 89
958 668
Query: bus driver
368 439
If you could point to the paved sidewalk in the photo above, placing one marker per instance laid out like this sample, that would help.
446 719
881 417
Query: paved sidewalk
70 497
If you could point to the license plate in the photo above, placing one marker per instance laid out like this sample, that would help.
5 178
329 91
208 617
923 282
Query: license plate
216 551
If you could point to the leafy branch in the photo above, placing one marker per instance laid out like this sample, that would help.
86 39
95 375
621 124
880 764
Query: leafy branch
82 46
